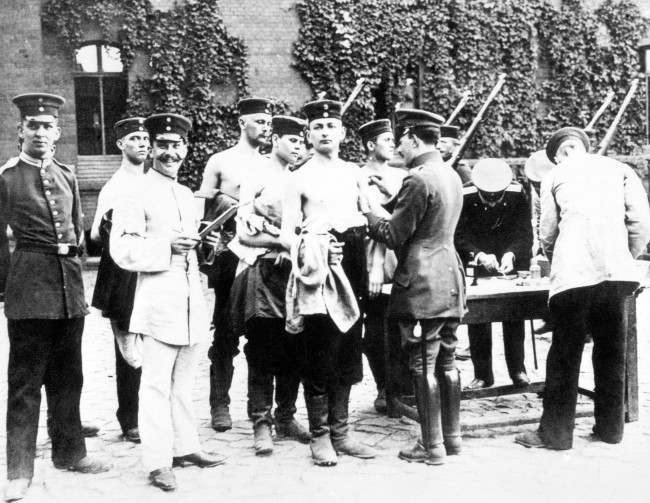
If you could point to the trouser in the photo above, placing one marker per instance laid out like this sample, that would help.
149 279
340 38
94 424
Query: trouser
480 345
435 377
44 352
272 352
166 414
225 345
602 308
127 380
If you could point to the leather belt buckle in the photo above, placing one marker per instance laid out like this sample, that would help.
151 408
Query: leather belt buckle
63 249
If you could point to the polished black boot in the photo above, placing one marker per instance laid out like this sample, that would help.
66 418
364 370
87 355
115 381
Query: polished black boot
322 452
342 441
430 449
221 371
449 382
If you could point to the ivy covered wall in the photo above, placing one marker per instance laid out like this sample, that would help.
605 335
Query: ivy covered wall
560 62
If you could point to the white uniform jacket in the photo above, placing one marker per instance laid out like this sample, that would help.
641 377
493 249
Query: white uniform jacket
169 303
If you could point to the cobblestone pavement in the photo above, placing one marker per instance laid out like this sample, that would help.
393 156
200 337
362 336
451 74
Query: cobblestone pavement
491 467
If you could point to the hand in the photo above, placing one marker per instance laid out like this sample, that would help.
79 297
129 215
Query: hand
375 282
212 238
183 243
271 229
379 182
335 253
253 224
488 261
507 263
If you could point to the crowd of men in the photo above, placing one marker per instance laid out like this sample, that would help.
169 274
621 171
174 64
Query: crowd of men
299 246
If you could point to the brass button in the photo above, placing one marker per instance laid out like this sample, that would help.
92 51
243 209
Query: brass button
46 182
52 202
48 193
55 212
57 224
59 236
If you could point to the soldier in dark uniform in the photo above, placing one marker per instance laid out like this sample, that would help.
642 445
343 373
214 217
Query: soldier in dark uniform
45 304
428 287
495 231
447 145
115 287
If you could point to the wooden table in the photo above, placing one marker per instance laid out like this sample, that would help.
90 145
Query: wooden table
495 300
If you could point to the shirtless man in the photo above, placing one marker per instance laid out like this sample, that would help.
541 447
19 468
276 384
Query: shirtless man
222 179
385 181
325 191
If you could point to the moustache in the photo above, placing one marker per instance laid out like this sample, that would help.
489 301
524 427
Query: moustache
169 157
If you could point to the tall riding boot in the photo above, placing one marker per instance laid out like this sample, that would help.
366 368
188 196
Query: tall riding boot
338 416
322 452
286 394
260 408
221 371
430 449
449 381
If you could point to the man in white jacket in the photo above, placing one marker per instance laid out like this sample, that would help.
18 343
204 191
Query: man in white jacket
595 221
155 234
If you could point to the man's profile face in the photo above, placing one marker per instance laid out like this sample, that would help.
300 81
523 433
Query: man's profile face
569 148
383 146
135 146
39 134
289 147
446 146
256 128
168 152
326 135
406 148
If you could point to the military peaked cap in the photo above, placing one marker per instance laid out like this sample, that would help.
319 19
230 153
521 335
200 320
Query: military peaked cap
537 165
284 124
560 135
248 106
32 104
491 175
167 123
322 109
128 126
371 130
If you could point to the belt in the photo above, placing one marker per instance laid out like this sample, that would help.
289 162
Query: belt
62 249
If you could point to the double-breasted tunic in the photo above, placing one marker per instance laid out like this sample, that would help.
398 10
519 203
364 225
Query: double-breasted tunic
169 304
429 280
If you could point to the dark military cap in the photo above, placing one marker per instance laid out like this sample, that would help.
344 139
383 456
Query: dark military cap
449 132
128 126
283 124
560 135
167 123
32 104
249 106
414 118
322 109
371 130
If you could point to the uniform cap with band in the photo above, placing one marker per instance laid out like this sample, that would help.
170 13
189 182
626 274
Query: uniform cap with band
408 119
371 130
322 109
537 166
167 123
560 136
249 106
128 126
285 124
491 175
35 104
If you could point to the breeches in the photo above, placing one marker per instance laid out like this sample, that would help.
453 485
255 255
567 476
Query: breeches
441 340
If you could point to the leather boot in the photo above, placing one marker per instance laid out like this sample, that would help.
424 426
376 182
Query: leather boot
286 394
428 403
322 452
260 396
449 381
221 371
262 441
342 441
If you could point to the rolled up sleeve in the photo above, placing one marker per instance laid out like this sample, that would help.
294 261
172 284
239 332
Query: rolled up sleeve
550 217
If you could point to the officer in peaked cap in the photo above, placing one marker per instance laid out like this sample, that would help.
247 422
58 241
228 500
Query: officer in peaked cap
428 286
495 231
45 304
222 178
115 287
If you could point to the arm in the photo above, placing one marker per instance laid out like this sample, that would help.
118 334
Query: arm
77 214
130 247
637 213
464 237
409 210
550 217
97 220
521 233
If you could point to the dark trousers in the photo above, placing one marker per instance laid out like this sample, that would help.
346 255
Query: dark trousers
441 341
373 338
44 352
127 380
272 353
480 345
601 307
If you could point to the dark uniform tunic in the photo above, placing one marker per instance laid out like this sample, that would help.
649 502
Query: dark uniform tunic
45 306
496 230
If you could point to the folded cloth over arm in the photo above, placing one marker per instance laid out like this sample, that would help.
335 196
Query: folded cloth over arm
315 287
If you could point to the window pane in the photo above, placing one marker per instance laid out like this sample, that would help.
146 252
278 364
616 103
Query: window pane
86 58
87 111
111 60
